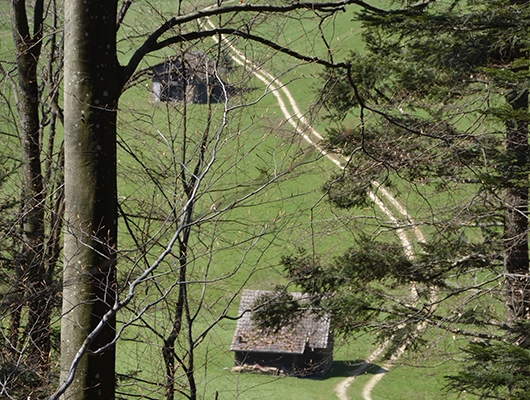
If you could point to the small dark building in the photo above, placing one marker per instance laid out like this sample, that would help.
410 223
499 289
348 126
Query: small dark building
193 76
303 349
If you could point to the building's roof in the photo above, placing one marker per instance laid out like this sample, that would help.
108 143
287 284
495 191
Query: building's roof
311 330
195 63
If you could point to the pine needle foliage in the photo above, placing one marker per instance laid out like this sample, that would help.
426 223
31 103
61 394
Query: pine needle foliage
436 107
496 370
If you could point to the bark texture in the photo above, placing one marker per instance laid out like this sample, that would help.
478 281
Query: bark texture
33 274
91 91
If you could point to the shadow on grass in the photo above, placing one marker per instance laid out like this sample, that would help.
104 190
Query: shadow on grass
347 368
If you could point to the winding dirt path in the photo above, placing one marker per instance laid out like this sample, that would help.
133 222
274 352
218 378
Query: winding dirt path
299 122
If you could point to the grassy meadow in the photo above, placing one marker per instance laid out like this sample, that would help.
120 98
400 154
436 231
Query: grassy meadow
253 150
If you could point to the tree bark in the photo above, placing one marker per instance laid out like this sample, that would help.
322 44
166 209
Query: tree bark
91 92
32 273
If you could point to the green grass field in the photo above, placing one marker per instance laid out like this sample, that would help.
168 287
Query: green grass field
307 221
242 247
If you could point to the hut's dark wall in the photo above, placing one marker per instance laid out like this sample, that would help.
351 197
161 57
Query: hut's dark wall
198 93
170 79
310 363
283 362
315 362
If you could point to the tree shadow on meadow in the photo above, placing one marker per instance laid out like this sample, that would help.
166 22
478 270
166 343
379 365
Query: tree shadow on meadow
347 368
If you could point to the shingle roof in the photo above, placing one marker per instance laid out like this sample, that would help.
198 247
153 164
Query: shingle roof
196 63
311 330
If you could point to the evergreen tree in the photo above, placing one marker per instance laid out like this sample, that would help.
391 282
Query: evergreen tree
496 370
441 93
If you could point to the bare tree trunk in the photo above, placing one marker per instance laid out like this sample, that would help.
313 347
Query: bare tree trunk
91 91
32 271
168 350
516 215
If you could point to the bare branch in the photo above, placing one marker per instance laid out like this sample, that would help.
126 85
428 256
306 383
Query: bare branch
152 43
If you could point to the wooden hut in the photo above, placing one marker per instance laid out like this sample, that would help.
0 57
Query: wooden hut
302 349
192 76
